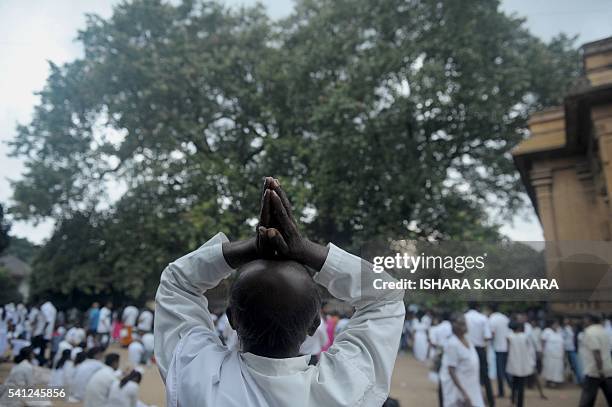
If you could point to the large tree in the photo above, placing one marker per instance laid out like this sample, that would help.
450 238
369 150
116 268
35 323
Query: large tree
383 119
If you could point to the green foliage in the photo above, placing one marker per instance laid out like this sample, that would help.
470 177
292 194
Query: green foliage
8 288
383 119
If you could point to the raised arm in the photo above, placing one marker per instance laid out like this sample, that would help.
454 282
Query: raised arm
180 304
366 350
371 339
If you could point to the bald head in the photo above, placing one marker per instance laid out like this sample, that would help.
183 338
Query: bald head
273 306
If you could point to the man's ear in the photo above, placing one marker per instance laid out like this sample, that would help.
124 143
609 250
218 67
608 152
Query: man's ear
315 324
230 319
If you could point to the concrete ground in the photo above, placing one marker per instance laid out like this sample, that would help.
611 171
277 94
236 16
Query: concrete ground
410 386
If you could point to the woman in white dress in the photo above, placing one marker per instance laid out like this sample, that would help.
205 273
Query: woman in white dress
420 346
59 372
124 393
69 375
460 371
552 354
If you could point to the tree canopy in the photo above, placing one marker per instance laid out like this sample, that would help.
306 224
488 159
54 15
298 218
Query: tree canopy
392 118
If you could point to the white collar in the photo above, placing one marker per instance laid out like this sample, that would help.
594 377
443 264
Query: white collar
275 367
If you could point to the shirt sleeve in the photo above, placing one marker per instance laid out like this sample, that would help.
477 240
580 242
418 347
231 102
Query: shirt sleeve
370 341
180 304
589 341
451 355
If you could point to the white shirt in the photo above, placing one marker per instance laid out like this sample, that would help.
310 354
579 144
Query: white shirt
75 335
82 374
145 321
21 375
596 338
313 344
98 388
521 355
568 339
426 320
130 314
126 396
199 370
135 353
553 342
148 341
465 361
37 321
440 334
500 330
478 330
50 313
104 323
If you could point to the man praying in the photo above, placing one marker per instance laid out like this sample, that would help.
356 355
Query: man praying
274 305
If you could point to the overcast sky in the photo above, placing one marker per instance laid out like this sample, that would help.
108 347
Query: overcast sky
33 32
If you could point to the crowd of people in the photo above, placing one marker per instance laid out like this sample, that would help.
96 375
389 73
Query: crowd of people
466 351
68 350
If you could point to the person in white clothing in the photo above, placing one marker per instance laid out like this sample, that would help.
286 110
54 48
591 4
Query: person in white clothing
70 376
569 344
420 346
274 305
58 374
37 323
76 335
460 371
498 323
145 321
479 334
22 373
124 392
595 352
50 312
99 386
439 334
84 372
521 361
136 352
20 376
105 324
552 354
129 316
148 341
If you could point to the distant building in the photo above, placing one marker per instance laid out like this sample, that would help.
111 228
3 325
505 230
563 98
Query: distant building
20 271
566 166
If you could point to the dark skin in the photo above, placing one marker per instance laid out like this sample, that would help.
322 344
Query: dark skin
277 235
261 258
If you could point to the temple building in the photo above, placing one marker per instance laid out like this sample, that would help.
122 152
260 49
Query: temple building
566 167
